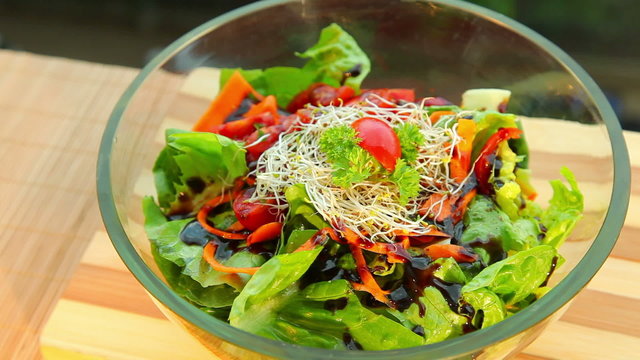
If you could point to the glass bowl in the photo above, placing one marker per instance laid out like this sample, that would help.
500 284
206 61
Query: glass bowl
439 48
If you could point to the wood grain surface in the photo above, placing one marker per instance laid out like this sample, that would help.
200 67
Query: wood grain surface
57 262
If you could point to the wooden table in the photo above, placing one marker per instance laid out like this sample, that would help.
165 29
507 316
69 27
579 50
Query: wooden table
53 113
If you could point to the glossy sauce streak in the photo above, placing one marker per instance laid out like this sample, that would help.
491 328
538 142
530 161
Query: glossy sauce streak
196 184
554 262
491 246
335 305
194 234
350 343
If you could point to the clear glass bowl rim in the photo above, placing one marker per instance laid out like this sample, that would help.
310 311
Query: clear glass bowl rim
537 312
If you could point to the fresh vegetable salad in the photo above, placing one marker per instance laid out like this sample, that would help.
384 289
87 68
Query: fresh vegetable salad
306 208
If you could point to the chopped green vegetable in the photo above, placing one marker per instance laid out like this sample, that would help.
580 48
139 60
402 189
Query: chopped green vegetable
211 161
410 139
408 180
439 321
564 211
335 53
516 277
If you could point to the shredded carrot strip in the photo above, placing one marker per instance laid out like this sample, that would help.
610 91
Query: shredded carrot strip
318 238
395 252
462 204
269 105
212 204
436 115
209 255
225 103
265 232
369 284
236 226
459 253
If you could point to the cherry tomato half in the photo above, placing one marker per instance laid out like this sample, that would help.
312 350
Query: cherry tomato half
252 215
379 139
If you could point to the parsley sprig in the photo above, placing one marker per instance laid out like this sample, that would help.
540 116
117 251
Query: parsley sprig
353 164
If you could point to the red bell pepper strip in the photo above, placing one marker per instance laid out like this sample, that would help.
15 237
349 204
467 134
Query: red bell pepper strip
457 252
209 255
226 102
265 232
460 164
484 165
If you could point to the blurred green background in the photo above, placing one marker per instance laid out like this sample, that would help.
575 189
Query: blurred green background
601 35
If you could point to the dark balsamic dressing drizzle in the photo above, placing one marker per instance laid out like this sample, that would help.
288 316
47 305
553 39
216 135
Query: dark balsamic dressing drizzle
194 234
554 263
350 343
335 305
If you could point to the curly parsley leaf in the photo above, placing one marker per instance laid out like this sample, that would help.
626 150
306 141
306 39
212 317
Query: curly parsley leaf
337 142
410 139
408 180
356 166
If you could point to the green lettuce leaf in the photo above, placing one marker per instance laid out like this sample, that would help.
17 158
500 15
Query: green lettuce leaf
564 211
439 321
489 308
297 238
273 277
516 277
194 167
335 53
220 296
309 318
301 213
449 270
166 237
485 222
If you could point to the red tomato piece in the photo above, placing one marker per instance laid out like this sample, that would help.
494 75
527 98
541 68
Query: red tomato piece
379 139
253 215
385 98
267 136
240 129
320 94
436 101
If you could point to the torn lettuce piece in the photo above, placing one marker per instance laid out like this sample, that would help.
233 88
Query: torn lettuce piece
564 211
335 53
219 296
488 307
165 236
302 214
518 276
324 314
486 224
194 167
439 321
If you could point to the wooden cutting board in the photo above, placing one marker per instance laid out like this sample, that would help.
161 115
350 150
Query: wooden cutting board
105 314
53 112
